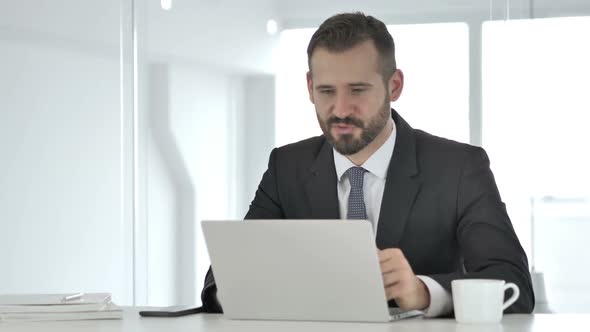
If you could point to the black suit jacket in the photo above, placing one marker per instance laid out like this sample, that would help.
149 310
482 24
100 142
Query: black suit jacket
440 206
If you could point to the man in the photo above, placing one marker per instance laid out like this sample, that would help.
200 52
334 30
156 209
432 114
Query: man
433 202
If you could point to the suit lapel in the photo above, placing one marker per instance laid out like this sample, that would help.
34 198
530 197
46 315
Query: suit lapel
401 187
321 185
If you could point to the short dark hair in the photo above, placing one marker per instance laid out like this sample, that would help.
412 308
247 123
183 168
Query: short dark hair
342 32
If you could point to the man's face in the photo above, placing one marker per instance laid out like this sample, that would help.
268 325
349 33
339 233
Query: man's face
352 101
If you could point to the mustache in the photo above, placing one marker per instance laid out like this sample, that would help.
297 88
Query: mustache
347 121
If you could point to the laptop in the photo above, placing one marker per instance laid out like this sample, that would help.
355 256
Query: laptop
313 270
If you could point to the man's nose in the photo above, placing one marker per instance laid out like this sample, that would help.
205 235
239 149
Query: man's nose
342 106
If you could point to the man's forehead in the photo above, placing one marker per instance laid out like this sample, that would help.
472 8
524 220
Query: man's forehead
359 61
339 73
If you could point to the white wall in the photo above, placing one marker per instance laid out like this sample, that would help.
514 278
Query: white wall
60 200
190 176
210 137
258 132
198 56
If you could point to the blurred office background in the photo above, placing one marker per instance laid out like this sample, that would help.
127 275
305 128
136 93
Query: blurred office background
124 123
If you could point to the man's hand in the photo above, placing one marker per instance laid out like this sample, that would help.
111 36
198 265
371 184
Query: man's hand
401 284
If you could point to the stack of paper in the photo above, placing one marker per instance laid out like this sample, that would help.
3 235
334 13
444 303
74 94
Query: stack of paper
53 307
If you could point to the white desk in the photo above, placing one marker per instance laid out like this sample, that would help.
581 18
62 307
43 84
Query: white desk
217 323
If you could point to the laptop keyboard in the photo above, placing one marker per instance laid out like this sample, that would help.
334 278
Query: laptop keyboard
395 311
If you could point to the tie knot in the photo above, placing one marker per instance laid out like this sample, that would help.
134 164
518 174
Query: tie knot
355 175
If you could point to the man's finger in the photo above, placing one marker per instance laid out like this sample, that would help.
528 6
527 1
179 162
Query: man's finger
388 266
393 292
390 279
383 256
393 264
398 290
391 253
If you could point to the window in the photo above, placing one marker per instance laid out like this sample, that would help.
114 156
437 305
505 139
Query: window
535 118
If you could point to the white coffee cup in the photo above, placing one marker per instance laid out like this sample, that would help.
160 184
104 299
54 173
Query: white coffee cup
481 300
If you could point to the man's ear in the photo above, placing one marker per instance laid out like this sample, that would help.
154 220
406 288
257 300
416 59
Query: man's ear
310 87
396 85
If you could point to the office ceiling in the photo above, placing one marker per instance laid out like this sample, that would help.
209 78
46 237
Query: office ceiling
231 33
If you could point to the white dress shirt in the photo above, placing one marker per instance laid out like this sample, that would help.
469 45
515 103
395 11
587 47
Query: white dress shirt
373 186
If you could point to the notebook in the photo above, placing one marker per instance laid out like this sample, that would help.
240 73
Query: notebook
110 311
41 307
54 300
318 270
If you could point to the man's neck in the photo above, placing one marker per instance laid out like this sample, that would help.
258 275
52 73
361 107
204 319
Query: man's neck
360 157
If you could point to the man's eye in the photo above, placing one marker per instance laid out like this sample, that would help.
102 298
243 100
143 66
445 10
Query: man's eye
327 92
358 90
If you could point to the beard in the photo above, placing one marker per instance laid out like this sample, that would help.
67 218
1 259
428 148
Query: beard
348 144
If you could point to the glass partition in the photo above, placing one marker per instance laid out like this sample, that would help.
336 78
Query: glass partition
61 203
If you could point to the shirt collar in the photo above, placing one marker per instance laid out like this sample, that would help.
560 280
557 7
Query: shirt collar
378 162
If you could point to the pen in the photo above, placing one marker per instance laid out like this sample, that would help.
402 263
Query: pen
72 297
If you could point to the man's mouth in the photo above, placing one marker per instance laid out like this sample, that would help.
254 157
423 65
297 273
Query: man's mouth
343 129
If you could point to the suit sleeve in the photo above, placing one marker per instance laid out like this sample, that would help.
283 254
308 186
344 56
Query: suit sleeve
266 203
264 206
489 246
